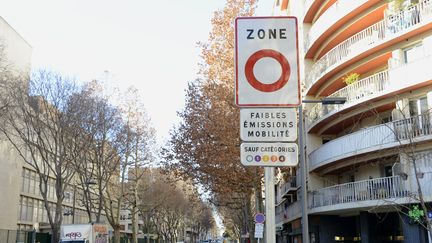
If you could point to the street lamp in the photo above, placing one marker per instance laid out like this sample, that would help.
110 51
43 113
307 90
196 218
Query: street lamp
303 171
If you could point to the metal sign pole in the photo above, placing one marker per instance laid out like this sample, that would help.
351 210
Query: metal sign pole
270 227
303 189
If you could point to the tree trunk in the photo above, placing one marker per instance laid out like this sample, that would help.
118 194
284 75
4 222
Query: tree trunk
134 222
55 238
117 234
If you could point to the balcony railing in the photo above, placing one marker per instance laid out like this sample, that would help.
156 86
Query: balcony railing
354 92
289 185
290 212
372 139
373 189
390 27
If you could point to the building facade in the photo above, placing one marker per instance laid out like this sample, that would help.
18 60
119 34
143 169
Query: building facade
19 182
16 55
366 159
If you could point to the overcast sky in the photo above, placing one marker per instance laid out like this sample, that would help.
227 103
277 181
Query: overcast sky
148 44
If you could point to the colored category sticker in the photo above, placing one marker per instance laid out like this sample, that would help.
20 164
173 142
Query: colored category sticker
257 158
282 158
274 158
249 158
266 158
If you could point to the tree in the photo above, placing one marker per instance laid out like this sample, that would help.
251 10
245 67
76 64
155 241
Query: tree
122 144
40 127
169 206
100 122
140 143
407 129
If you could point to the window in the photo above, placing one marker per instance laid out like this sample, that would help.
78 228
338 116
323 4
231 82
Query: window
30 204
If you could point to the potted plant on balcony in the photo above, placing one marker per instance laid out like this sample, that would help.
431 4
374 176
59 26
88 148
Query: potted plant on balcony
396 5
351 78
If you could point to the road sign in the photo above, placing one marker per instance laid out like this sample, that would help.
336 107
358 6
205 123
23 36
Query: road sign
268 125
266 57
259 218
259 230
269 154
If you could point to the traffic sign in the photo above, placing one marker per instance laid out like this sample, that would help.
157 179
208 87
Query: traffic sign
259 218
267 69
269 154
268 125
259 230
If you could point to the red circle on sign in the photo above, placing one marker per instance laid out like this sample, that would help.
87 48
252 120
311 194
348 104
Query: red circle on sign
254 58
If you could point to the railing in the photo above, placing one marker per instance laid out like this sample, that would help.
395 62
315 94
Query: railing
371 139
285 213
373 189
288 185
354 92
413 127
388 28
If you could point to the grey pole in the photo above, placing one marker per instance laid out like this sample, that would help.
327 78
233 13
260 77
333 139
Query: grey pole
303 171
270 221
73 205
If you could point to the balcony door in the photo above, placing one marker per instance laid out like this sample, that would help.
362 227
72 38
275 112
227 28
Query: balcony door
419 113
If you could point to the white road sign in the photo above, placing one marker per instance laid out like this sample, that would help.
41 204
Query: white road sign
269 154
266 57
259 230
268 125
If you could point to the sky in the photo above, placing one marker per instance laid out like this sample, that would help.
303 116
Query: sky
151 45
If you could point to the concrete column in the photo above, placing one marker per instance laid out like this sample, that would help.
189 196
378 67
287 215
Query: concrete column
364 227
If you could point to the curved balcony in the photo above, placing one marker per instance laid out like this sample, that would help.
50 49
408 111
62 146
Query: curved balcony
360 191
372 139
359 91
369 41
340 10
393 81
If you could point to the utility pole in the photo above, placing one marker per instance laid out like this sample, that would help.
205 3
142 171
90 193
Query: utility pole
270 223
73 205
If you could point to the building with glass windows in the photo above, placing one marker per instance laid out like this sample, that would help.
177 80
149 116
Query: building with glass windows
21 202
368 159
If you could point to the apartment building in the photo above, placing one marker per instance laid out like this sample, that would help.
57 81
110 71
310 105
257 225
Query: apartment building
366 158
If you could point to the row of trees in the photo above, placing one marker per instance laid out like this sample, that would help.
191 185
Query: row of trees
79 135
174 208
74 134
